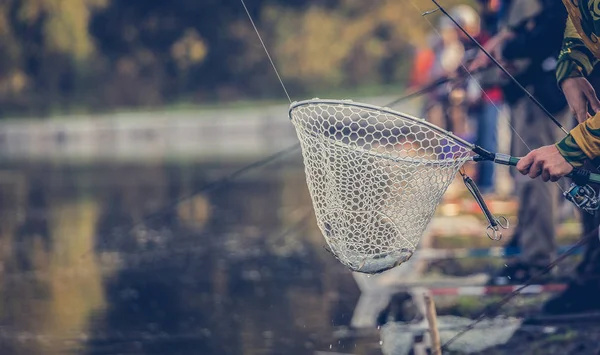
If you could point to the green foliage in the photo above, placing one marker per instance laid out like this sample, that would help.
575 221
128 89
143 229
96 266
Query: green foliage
107 54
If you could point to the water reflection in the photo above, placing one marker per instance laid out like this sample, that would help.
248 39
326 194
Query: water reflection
238 270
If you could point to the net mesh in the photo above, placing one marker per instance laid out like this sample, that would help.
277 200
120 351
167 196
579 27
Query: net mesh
375 178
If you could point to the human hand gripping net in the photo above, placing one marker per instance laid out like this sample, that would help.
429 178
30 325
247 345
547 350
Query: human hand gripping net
376 176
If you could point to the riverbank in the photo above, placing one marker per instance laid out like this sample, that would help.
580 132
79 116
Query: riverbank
235 134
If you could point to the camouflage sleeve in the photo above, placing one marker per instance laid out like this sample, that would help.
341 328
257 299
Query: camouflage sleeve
575 58
569 149
582 143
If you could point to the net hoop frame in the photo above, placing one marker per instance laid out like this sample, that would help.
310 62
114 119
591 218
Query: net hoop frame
388 111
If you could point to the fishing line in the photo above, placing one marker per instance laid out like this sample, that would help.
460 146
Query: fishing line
237 173
266 51
426 88
475 80
531 97
255 165
497 305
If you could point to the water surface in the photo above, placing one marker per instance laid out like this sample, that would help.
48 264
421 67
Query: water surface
239 269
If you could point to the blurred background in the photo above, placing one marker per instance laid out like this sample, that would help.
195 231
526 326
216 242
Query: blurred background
138 214
86 56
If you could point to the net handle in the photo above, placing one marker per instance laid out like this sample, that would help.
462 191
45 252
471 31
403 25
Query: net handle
581 176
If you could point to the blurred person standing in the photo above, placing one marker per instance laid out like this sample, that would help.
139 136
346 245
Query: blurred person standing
448 53
578 76
421 70
459 102
484 95
528 43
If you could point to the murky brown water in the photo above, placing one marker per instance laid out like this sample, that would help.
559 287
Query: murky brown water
238 270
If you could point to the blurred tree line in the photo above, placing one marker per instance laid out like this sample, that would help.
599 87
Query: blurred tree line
101 54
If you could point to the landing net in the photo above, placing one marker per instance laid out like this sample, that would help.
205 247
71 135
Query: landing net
375 177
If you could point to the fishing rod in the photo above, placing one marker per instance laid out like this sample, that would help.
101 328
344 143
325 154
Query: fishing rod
441 81
500 66
579 193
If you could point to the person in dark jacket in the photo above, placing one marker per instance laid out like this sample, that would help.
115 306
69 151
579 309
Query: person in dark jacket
528 43
579 79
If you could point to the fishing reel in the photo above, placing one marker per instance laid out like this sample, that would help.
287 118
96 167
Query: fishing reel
584 197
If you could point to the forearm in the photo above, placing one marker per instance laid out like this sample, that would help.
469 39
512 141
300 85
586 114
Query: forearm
575 58
582 143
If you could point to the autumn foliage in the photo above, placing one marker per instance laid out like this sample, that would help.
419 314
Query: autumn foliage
68 55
